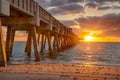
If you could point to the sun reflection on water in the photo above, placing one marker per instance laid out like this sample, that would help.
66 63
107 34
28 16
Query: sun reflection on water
91 51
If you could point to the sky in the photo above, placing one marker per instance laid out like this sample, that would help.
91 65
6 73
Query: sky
97 18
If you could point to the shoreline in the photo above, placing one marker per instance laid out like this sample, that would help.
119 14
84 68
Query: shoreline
77 71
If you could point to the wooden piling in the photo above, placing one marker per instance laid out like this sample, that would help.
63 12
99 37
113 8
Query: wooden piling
38 38
49 44
28 44
35 43
42 43
54 43
12 41
2 48
57 43
8 41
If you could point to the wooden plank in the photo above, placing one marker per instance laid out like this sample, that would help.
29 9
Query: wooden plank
7 21
2 49
35 44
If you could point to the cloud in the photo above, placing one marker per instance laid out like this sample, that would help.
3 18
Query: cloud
68 22
73 8
57 2
71 23
91 5
109 23
61 7
116 7
75 1
56 11
104 8
102 4
43 3
67 9
103 1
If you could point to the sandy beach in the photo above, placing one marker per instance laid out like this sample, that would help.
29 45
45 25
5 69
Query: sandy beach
59 72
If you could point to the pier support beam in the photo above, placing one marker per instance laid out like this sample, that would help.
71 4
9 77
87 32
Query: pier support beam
9 41
49 44
28 44
56 42
42 43
35 43
2 48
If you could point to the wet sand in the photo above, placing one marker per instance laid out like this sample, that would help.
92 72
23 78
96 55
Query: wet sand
59 72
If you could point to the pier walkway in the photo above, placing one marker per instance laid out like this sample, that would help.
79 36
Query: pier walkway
29 16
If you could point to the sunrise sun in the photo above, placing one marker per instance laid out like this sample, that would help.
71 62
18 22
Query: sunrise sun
89 38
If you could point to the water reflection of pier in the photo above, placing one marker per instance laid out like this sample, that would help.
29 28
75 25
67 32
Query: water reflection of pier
27 15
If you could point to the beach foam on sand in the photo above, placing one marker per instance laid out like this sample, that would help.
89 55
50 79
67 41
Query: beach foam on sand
59 72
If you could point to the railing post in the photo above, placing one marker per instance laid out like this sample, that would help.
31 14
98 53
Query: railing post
26 5
23 4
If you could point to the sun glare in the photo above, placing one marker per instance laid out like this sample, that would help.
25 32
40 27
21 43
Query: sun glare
88 38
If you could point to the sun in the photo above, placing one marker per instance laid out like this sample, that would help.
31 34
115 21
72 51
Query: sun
89 38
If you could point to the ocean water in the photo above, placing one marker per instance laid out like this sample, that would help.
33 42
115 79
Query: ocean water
86 53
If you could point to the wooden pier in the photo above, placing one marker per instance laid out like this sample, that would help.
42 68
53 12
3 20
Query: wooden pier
27 15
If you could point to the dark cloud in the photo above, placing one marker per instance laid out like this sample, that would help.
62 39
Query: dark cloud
67 9
103 1
104 8
74 1
72 8
68 22
92 5
56 11
63 2
57 2
116 7
101 4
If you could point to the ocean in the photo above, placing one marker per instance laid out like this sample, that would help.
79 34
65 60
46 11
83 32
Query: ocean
84 53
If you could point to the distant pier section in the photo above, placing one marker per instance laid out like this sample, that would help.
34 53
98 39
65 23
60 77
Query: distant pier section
29 16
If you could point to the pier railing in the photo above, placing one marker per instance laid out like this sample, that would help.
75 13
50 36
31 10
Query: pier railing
30 7
44 14
26 6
